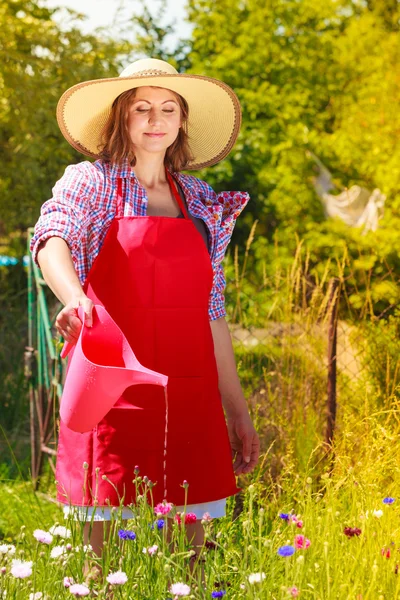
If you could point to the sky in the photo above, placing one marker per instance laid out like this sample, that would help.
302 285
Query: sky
101 12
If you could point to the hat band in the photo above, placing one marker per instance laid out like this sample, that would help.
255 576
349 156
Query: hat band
148 72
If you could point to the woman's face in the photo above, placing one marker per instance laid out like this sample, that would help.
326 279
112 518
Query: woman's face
154 119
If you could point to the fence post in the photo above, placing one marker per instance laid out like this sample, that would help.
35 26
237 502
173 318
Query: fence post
333 305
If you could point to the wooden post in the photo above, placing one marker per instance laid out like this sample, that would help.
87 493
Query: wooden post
333 305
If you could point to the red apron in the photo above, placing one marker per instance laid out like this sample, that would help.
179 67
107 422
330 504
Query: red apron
154 276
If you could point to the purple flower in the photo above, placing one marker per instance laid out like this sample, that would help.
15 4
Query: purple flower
286 550
125 534
284 516
218 594
160 523
388 500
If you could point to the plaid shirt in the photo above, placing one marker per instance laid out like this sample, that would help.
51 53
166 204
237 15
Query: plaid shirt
84 204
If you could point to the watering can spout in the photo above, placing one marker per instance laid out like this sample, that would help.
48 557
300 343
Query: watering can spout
102 367
148 376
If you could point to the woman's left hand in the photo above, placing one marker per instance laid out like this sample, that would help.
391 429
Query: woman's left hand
244 443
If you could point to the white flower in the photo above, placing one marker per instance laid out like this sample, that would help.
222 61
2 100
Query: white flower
377 513
117 578
7 549
256 577
61 531
57 551
21 569
44 537
180 589
79 589
36 596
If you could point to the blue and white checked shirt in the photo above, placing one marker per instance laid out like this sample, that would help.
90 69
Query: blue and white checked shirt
84 204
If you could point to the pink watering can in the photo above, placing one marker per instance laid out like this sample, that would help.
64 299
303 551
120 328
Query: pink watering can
103 365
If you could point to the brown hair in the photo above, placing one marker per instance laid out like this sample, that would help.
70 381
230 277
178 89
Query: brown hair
116 142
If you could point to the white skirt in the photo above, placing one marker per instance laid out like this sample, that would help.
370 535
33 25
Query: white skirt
215 509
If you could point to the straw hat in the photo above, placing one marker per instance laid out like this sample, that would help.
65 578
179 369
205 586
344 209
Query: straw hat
214 109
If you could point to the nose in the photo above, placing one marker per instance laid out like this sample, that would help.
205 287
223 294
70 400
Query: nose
154 117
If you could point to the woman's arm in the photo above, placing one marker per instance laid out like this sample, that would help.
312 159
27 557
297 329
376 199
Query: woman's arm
243 437
56 264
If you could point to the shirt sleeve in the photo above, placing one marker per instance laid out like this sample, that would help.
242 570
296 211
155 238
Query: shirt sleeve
226 207
67 213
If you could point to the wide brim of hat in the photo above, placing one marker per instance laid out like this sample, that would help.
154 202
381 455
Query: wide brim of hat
214 113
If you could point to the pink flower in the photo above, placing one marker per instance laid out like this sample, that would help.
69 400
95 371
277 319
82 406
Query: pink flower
190 518
301 542
21 569
163 508
68 581
117 578
179 589
44 537
150 550
79 589
294 592
299 524
177 518
206 517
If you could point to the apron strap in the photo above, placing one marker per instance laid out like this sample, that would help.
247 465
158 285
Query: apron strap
120 199
173 186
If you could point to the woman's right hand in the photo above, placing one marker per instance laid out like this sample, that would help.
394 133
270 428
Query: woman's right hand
68 323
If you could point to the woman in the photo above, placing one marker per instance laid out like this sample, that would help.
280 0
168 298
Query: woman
132 233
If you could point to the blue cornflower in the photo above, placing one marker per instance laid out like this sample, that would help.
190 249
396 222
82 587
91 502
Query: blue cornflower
125 534
284 516
286 550
388 500
160 523
218 594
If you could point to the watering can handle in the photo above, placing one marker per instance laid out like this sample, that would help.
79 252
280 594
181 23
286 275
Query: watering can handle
66 349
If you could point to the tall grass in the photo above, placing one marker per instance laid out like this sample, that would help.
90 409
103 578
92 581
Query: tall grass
279 327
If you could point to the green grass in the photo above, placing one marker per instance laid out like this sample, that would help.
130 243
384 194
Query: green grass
365 470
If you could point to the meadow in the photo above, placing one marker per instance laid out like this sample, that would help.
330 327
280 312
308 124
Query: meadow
316 520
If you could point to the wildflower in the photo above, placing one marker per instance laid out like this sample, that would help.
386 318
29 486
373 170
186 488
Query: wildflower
293 591
79 589
386 552
351 531
57 551
117 578
299 524
160 523
163 508
44 537
150 550
7 549
206 517
21 569
179 589
284 516
126 534
3 570
256 577
60 531
36 596
218 594
210 545
68 581
190 518
177 518
185 484
286 551
377 513
301 542
388 500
